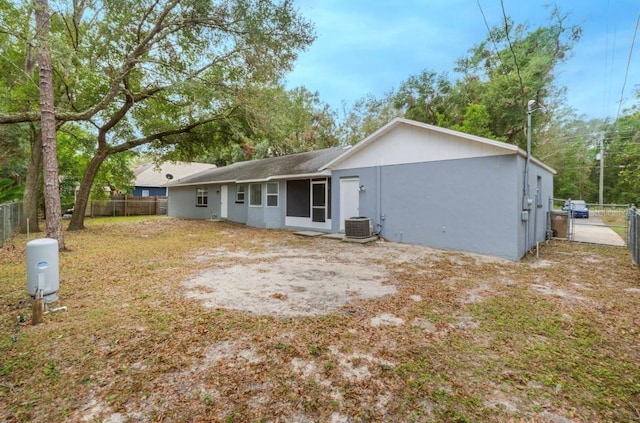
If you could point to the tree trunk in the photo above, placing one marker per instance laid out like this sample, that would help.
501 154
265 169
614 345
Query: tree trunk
82 197
29 217
48 118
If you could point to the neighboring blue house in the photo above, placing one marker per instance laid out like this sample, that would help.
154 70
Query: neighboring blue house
418 183
151 180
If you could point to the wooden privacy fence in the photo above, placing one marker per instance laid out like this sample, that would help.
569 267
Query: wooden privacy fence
128 206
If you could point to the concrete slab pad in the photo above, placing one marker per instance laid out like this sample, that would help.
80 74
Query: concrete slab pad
361 240
334 236
309 233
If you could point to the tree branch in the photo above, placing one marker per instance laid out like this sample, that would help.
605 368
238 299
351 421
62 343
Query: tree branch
125 146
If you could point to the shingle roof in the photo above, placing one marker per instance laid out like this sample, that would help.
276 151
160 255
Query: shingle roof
307 163
148 175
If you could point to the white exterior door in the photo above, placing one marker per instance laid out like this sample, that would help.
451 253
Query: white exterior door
349 199
224 194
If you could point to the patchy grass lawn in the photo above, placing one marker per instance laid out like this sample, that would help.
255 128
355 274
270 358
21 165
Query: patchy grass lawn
613 216
461 338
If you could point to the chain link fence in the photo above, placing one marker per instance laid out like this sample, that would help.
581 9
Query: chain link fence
634 234
9 220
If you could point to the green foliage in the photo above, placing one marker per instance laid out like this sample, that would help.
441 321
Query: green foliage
14 151
476 121
622 160
366 116
149 73
9 191
423 97
273 121
571 146
514 65
495 81
75 149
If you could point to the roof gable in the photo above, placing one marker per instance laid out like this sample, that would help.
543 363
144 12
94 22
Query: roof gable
404 141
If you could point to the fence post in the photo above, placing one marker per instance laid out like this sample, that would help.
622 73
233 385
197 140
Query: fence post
4 235
634 236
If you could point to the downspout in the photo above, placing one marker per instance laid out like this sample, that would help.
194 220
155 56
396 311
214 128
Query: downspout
381 216
526 189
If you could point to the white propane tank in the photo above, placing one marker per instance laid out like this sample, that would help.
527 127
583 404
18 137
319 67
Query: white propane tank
43 268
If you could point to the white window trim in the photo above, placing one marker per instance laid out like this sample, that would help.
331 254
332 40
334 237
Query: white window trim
205 195
539 191
243 192
276 194
250 196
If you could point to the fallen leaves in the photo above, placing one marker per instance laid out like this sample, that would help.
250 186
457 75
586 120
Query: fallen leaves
461 337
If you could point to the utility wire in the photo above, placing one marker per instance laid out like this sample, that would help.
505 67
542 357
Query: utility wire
493 41
515 59
608 61
626 74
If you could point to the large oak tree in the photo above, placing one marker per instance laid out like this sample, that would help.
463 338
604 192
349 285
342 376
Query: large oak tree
159 73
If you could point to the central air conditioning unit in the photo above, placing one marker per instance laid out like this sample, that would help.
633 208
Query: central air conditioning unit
358 227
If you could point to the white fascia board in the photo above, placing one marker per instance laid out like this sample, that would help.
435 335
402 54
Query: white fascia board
251 181
279 177
230 181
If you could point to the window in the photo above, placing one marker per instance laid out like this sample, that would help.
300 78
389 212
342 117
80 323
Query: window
240 194
202 197
539 191
255 195
145 192
272 194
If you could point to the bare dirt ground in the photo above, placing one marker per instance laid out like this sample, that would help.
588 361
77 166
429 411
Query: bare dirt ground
211 321
291 281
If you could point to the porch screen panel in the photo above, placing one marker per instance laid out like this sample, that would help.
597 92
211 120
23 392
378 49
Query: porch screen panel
299 198
319 202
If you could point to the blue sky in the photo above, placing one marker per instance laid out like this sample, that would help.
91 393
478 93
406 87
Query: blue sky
371 46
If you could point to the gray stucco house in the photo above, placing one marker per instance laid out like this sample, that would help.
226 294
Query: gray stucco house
419 184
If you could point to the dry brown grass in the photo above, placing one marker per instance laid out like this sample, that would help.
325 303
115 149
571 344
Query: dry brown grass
473 339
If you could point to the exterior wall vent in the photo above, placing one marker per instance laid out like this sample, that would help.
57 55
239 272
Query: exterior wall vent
358 227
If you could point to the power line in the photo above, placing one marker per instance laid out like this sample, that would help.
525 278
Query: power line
493 41
515 59
626 73
608 65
